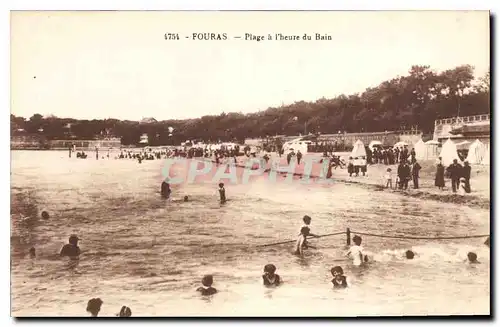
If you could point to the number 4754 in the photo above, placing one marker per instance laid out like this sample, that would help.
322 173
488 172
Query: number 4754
171 36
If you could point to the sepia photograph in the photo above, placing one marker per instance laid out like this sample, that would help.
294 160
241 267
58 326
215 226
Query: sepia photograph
250 164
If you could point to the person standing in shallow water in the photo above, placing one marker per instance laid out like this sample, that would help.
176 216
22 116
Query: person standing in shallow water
165 190
71 249
222 193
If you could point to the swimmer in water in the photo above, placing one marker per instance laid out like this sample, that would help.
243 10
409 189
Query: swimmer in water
94 306
186 198
165 190
222 193
270 277
472 257
207 288
339 280
125 312
45 215
409 254
304 232
71 249
356 252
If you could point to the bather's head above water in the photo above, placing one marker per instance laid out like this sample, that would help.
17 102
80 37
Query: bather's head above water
307 220
207 280
472 257
357 240
409 254
269 269
73 240
94 306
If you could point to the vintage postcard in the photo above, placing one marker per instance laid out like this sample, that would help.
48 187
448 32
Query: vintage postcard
250 163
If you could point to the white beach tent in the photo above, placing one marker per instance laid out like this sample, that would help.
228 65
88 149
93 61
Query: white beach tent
449 153
431 150
476 153
373 144
358 150
486 158
400 144
420 150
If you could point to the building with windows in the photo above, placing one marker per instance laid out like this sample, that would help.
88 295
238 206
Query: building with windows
461 129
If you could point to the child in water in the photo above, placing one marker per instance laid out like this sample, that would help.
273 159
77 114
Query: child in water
304 232
339 280
356 252
207 288
222 193
94 306
125 312
270 278
472 257
409 254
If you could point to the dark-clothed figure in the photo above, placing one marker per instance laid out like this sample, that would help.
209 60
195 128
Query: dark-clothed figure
94 306
409 254
207 288
299 156
472 257
412 156
339 280
222 193
455 171
350 167
439 180
125 312
32 253
403 174
403 154
415 174
165 190
270 278
71 249
466 174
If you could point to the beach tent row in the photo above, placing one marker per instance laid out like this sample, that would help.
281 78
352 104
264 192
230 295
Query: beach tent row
478 152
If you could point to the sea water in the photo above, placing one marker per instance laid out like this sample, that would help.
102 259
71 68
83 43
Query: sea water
150 254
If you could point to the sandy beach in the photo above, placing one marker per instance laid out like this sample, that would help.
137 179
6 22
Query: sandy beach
374 179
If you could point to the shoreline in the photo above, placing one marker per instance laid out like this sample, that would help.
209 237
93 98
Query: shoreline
476 200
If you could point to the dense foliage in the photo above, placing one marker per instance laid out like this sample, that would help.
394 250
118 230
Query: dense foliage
414 100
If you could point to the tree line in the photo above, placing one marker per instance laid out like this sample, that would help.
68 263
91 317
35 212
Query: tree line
413 100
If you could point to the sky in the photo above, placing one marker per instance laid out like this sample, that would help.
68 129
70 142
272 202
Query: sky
95 65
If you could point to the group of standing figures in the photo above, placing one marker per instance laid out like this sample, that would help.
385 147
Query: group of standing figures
459 175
